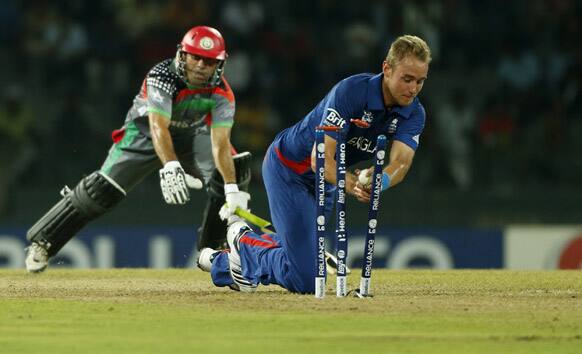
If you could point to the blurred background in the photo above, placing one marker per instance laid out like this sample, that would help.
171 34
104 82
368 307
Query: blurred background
503 98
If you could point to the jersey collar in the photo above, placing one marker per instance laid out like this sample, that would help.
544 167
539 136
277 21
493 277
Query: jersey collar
376 99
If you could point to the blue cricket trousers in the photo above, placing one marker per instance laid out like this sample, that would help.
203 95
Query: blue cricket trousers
287 258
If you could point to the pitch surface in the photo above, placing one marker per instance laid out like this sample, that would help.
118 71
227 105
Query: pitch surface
179 311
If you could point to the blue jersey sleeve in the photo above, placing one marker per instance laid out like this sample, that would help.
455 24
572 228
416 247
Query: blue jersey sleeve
345 101
410 129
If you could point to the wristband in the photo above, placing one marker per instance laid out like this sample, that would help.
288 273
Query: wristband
385 181
230 188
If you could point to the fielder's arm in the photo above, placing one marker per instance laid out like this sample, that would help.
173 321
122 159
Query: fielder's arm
221 151
161 138
401 156
331 166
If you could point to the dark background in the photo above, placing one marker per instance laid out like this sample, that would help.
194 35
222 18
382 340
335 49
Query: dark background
503 102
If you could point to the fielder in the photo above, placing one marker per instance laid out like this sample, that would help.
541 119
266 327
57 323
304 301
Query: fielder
180 124
363 106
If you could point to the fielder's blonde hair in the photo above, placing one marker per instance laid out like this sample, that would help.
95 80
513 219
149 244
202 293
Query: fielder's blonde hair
406 45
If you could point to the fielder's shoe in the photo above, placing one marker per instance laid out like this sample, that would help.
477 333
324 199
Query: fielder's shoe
37 258
236 229
206 257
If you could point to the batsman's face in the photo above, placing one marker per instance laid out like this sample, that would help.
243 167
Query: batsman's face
199 69
403 82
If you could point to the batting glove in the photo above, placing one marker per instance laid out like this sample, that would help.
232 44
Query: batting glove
173 183
234 199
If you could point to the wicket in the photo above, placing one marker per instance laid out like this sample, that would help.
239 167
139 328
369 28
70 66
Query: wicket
320 218
340 217
373 216
341 234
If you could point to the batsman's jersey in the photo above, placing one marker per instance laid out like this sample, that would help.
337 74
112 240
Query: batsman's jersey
356 97
191 110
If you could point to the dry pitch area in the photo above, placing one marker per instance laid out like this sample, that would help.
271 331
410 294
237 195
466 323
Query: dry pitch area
178 311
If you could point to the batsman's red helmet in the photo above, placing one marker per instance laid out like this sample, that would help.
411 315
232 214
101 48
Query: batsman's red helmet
204 41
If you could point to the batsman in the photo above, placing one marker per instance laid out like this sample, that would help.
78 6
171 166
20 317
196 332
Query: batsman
179 125
363 107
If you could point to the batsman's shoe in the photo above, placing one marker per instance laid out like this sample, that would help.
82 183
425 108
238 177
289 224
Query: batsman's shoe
37 258
237 229
206 257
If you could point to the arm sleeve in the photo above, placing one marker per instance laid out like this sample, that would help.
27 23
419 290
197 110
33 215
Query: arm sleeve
223 112
159 92
345 101
410 129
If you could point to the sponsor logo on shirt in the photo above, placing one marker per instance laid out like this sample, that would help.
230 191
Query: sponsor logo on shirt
393 125
182 124
363 122
334 118
362 143
199 124
367 117
156 96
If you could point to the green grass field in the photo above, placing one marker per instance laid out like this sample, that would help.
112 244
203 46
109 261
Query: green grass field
178 311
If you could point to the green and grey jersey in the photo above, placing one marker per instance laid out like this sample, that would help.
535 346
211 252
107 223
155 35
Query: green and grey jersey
191 110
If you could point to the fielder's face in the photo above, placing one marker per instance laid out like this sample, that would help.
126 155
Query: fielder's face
403 82
199 69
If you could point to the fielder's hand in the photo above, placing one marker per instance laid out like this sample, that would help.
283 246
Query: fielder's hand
234 199
173 183
363 188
